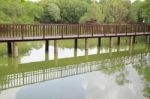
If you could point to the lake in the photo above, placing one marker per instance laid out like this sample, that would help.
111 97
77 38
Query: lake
120 72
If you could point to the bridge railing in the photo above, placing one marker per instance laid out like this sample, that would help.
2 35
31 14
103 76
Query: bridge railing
32 31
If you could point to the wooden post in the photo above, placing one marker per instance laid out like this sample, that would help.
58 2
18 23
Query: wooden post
118 48
46 56
75 47
9 48
130 49
75 52
14 49
55 49
98 50
99 42
46 45
147 39
86 44
134 39
110 52
76 43
16 63
118 42
110 42
131 41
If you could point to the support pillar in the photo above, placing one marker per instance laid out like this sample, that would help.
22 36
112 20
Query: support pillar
147 39
86 47
98 50
130 49
55 49
86 44
110 42
75 43
9 49
118 42
46 56
75 53
46 45
75 47
14 49
118 48
134 39
99 42
110 52
131 41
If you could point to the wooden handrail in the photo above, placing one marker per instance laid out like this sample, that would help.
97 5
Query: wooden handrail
24 31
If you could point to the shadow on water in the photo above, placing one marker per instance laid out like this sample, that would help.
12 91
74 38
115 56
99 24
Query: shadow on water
14 72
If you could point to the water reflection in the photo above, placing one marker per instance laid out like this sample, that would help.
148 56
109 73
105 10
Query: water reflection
106 73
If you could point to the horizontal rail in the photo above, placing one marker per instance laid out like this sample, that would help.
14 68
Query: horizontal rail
46 31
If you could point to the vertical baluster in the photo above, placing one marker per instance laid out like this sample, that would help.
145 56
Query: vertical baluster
92 26
62 30
16 31
126 29
0 30
36 30
51 30
66 29
13 30
22 33
52 33
135 29
43 31
79 30
56 30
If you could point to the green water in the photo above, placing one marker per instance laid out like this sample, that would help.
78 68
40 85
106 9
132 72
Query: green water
120 72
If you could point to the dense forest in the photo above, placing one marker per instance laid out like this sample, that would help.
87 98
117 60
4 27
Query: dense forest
74 11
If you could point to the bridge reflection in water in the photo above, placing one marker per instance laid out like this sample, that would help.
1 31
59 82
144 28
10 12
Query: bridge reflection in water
30 73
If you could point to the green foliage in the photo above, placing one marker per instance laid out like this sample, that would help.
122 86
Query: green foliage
93 13
70 10
51 13
135 12
19 12
146 11
117 9
74 11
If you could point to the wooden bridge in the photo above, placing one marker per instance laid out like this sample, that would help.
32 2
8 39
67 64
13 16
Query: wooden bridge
24 32
29 32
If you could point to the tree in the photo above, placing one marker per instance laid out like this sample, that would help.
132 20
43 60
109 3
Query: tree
135 12
117 10
146 11
19 11
94 12
51 13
